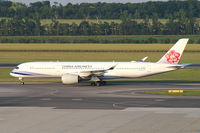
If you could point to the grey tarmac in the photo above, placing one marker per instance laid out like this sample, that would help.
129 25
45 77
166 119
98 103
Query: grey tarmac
114 108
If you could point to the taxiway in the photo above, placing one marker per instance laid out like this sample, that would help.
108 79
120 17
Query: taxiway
115 108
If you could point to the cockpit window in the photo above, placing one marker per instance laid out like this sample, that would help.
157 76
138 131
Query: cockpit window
16 67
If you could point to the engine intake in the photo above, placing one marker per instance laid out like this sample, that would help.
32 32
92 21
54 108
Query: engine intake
70 79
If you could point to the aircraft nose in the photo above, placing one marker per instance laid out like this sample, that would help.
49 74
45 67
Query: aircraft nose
12 73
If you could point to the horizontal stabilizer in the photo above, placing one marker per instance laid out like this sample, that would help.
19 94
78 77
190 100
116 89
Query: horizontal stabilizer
186 64
179 66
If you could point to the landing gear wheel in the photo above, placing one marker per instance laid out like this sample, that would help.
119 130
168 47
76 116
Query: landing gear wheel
99 83
103 82
21 81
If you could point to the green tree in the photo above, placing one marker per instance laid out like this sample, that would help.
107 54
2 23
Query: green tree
125 17
156 25
74 29
84 28
137 14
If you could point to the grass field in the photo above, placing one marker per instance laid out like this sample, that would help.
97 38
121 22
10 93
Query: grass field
186 75
46 46
78 21
99 39
18 57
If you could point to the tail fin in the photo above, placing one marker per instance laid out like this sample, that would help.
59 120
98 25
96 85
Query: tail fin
174 54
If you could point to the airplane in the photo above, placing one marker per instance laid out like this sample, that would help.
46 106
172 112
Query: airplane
98 72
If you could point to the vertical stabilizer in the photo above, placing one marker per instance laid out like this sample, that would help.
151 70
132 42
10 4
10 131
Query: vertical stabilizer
174 54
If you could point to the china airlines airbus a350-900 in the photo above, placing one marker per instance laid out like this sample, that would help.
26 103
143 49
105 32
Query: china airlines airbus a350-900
97 72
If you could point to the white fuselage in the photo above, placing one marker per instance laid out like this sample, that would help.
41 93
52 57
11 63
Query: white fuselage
73 72
121 70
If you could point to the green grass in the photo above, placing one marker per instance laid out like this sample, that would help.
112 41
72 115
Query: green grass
78 21
99 39
32 46
183 75
48 46
19 57
185 93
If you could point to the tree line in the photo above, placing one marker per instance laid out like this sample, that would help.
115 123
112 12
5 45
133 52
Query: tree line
26 20
181 25
45 10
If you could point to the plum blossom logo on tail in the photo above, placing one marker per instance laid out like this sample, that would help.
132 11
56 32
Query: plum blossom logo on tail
172 56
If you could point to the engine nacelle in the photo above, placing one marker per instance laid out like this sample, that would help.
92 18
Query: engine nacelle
70 79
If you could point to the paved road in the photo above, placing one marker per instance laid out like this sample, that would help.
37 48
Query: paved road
8 65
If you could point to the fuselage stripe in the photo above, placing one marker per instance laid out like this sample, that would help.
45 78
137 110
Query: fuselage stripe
26 74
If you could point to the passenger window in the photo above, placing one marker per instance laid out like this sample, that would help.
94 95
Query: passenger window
16 67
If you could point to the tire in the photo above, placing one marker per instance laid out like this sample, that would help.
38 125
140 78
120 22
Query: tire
103 82
98 83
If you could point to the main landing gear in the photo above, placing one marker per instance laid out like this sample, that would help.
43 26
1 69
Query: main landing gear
98 83
21 80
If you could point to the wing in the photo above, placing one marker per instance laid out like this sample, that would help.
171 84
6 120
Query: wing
94 73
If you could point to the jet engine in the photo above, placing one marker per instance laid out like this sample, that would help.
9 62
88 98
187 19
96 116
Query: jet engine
70 79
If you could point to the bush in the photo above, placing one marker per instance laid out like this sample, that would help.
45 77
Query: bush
91 39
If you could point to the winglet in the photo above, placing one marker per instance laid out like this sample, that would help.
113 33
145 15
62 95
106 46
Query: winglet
174 54
143 59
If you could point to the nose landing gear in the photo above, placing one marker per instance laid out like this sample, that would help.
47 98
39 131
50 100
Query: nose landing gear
21 80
